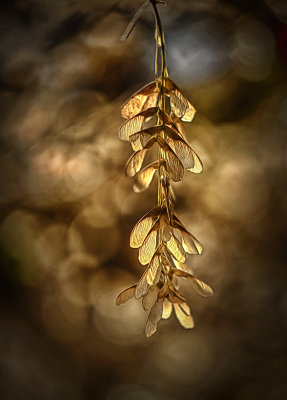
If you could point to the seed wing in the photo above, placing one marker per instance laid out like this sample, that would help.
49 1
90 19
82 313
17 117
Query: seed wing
175 248
150 298
182 312
201 287
153 272
136 160
153 318
174 166
143 226
126 295
135 124
167 309
148 247
189 242
144 177
198 285
179 104
131 126
187 156
142 286
139 140
142 100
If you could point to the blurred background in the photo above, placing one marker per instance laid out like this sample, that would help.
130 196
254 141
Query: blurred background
67 208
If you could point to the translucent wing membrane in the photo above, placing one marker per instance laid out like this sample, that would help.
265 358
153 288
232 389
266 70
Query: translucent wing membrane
167 309
178 125
175 248
142 286
183 315
131 126
148 247
144 99
135 162
135 124
190 244
198 285
166 232
187 156
174 166
143 226
150 298
153 318
179 104
197 164
144 178
154 269
201 287
139 140
126 295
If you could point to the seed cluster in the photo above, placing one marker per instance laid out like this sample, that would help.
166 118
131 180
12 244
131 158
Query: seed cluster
154 118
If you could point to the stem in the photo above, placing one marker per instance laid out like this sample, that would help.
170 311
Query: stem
131 25
161 35
156 58
162 181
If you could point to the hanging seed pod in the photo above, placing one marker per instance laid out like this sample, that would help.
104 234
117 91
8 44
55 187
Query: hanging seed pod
160 236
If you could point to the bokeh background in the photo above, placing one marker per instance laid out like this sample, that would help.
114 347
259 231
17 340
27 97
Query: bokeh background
67 209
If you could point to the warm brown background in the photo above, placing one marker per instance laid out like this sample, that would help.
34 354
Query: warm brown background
67 209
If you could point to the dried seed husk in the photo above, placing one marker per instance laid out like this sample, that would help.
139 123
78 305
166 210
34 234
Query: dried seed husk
173 298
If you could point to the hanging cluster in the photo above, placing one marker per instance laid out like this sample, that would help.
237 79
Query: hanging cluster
153 121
